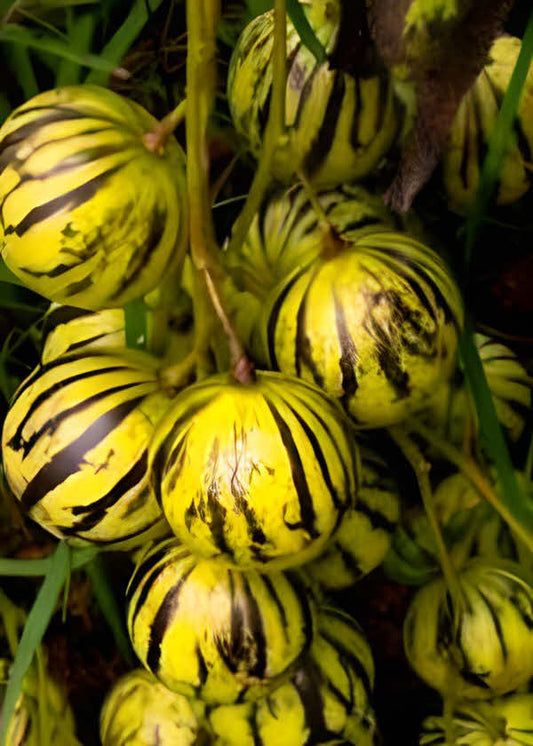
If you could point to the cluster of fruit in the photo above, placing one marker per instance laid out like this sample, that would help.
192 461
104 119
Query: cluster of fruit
264 486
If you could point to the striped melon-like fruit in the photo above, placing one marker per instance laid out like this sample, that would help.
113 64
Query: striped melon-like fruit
42 712
364 535
326 701
213 632
257 474
507 721
477 644
339 126
287 233
453 410
75 448
139 711
375 325
88 215
472 127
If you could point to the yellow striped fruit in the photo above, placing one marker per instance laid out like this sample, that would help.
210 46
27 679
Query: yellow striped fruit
286 233
501 722
453 410
339 126
42 713
75 448
478 643
375 325
326 701
364 535
88 215
207 631
139 711
472 127
259 474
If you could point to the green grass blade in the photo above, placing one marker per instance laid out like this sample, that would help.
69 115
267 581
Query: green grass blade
500 137
20 298
27 568
80 35
305 32
122 40
108 604
22 36
136 324
510 493
22 67
6 275
34 629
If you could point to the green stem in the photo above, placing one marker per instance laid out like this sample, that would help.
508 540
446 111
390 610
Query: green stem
421 469
475 476
273 133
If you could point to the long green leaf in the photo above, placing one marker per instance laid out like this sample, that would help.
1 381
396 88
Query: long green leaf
108 604
23 36
124 37
6 275
20 298
136 324
21 65
80 34
32 568
34 629
305 32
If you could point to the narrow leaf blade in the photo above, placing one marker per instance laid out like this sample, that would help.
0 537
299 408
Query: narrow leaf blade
305 32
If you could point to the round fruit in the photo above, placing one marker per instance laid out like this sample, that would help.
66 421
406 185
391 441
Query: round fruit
501 722
326 700
473 125
364 535
88 215
339 126
139 710
75 448
258 474
478 644
375 325
207 631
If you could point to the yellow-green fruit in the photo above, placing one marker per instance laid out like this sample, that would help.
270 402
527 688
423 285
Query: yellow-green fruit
212 632
326 700
140 711
88 215
364 536
75 448
339 126
287 233
42 712
257 474
502 722
472 127
453 410
477 644
375 325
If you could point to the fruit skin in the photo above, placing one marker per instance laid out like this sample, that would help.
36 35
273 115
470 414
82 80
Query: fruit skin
139 710
500 722
327 699
364 535
207 631
374 325
453 410
472 126
339 126
75 448
88 216
258 475
479 645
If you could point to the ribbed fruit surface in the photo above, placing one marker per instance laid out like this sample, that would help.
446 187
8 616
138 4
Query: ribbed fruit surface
216 633
88 216
258 475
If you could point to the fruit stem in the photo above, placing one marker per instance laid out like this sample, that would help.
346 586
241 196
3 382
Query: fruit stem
155 140
333 244
421 469
475 476
202 19
274 131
